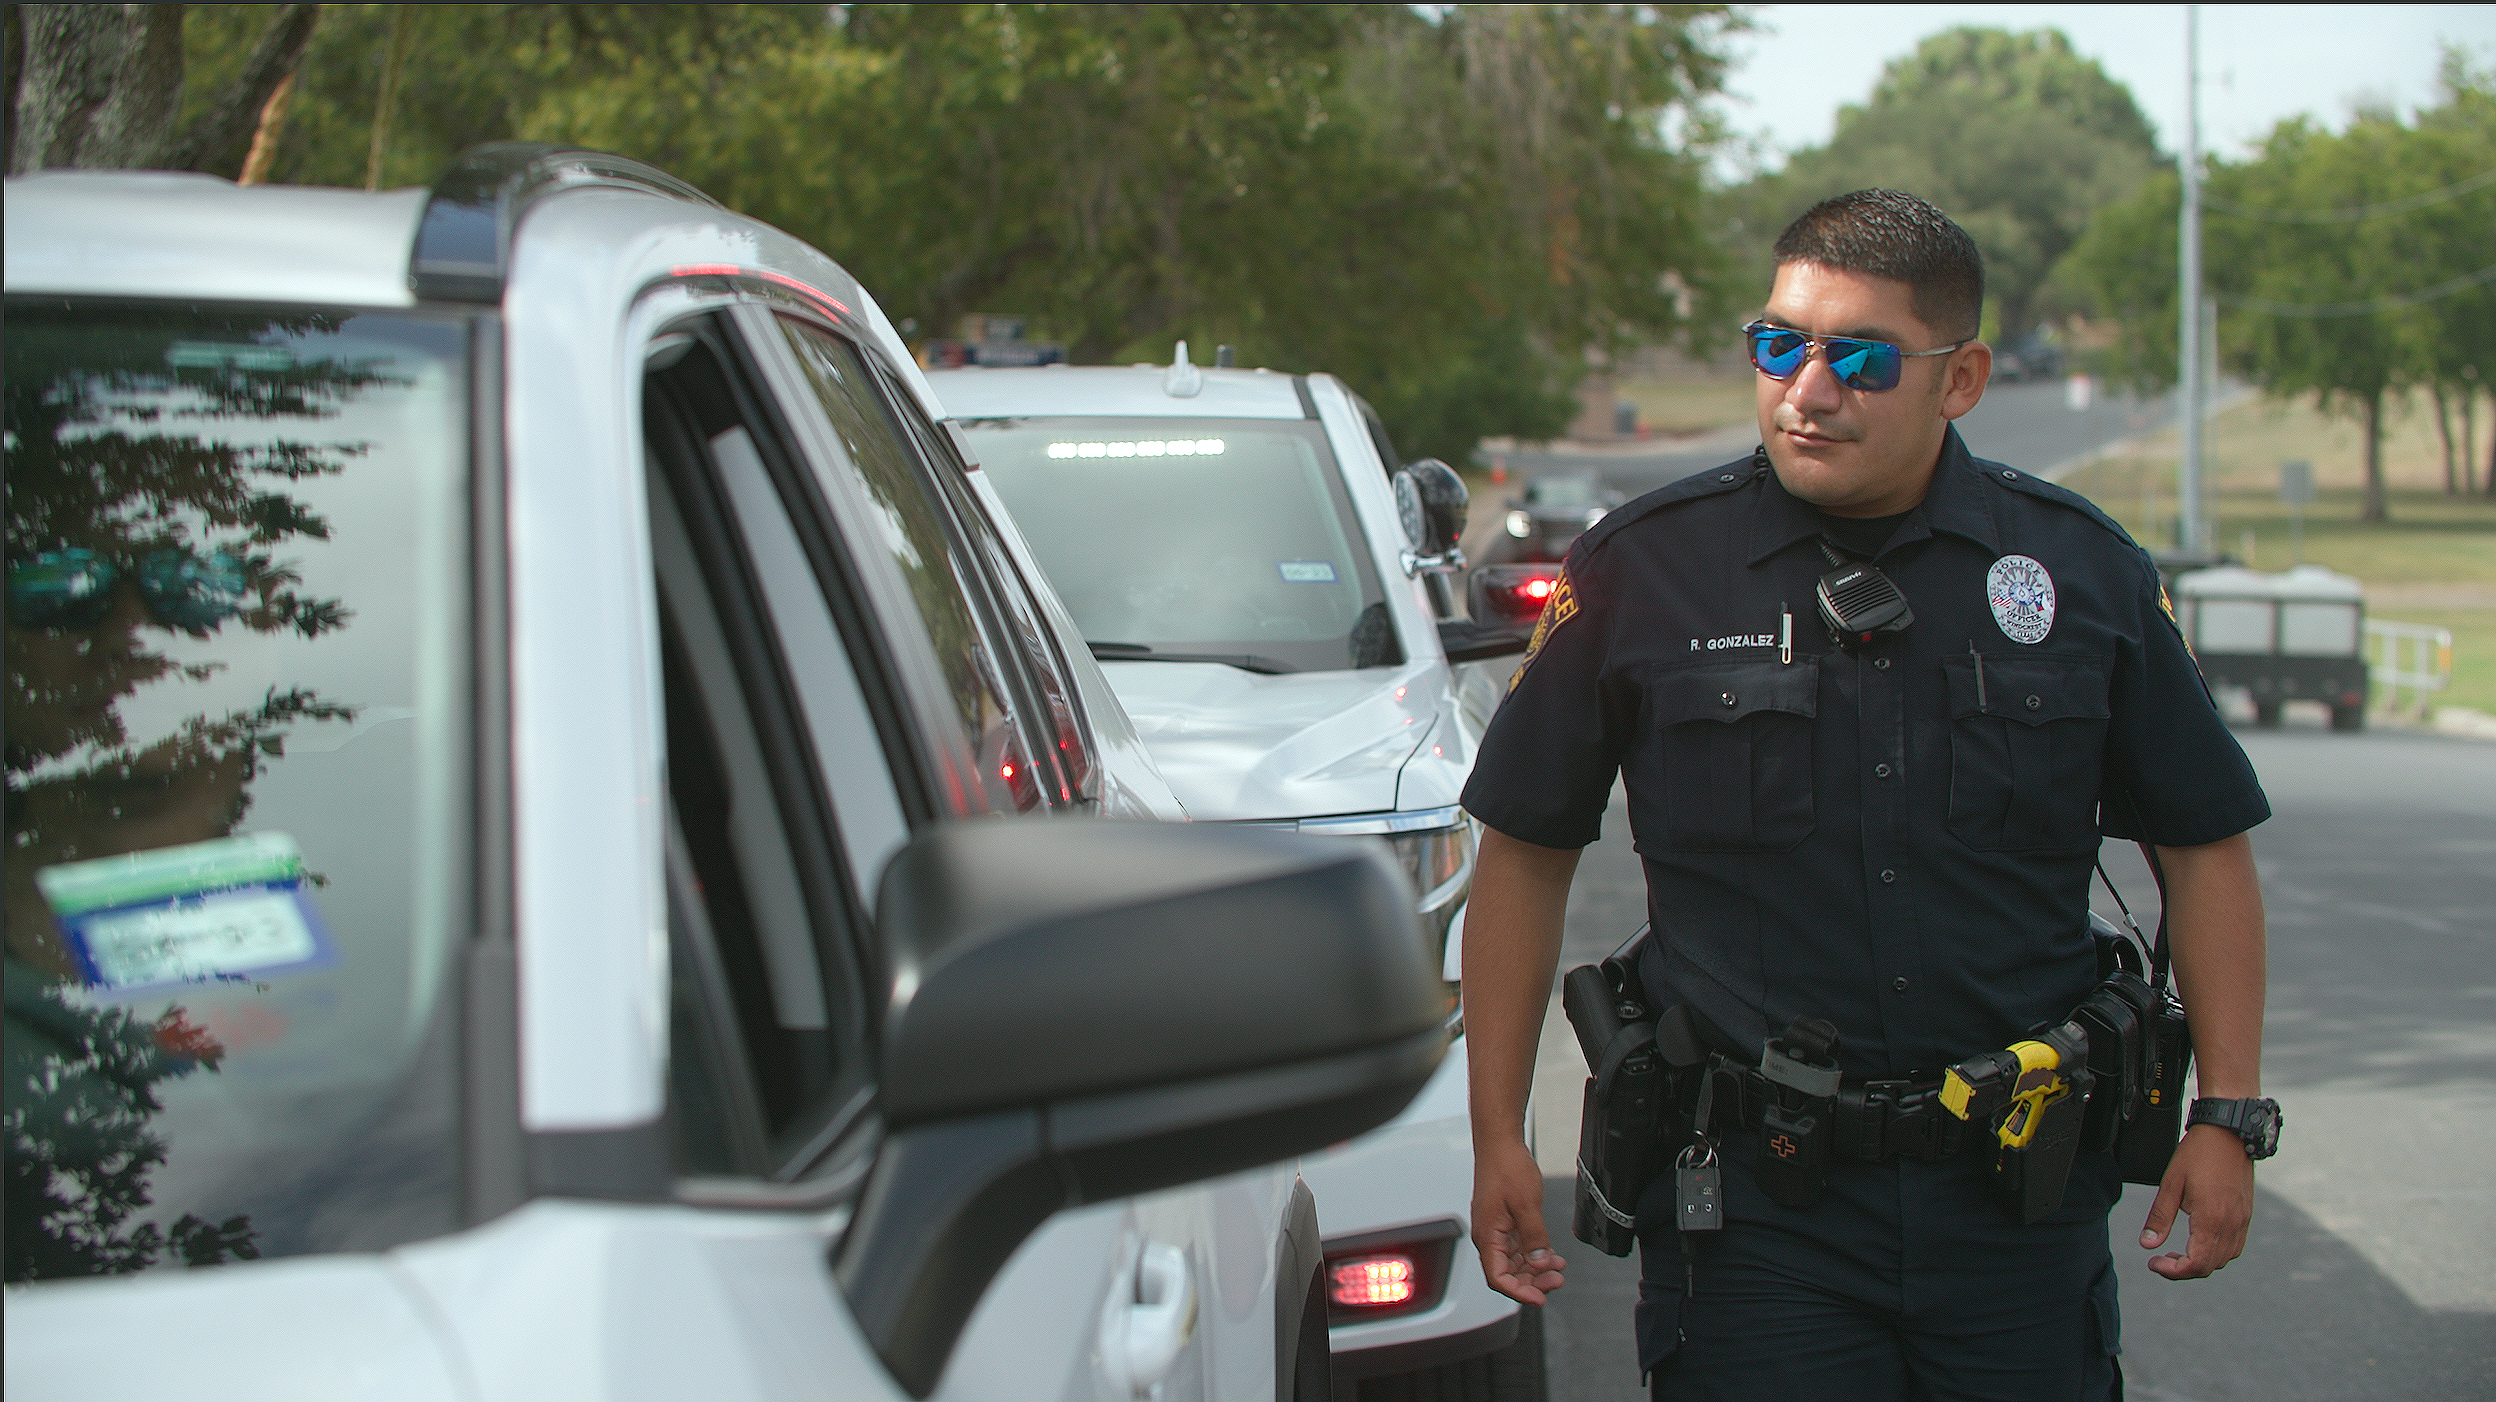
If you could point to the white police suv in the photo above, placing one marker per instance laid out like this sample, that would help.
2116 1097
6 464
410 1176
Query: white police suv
1266 585
557 849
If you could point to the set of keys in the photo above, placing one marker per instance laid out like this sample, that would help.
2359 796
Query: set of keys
1698 1179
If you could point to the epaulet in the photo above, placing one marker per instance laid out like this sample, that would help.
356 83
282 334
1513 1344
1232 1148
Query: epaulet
2011 479
1715 481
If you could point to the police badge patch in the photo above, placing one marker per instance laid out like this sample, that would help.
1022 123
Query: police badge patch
2022 595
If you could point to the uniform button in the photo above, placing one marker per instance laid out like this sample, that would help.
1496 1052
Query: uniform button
2009 476
1731 699
1724 477
1888 876
1899 984
2034 702
1880 771
1880 664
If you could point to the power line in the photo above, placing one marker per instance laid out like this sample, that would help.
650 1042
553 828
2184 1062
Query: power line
2368 307
2352 213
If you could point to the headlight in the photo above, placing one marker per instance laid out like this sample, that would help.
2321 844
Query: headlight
1440 862
1433 858
1520 525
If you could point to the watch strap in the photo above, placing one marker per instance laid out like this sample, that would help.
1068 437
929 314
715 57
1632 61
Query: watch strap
2256 1121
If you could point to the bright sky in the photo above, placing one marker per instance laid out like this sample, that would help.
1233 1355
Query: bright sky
2259 63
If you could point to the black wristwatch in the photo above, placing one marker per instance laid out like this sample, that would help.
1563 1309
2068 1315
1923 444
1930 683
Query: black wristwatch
2254 1121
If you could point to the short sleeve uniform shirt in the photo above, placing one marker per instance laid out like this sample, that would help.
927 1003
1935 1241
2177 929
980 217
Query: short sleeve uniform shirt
1897 839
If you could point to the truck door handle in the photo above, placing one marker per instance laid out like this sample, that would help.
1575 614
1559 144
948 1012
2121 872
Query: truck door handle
1149 1323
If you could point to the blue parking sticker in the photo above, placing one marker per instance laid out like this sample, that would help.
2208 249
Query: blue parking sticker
1306 571
231 910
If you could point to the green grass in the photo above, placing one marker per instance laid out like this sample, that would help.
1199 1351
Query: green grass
2474 654
2433 538
1691 405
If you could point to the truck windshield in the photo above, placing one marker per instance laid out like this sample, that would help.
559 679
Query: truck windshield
236 740
1216 539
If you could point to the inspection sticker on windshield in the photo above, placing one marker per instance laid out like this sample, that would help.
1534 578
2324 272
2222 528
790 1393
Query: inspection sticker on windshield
219 911
1306 571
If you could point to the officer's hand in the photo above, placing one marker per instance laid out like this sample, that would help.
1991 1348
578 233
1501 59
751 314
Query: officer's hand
2211 1179
1517 1258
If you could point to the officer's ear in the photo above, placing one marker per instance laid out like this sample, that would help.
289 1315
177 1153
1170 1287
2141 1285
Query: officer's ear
1963 378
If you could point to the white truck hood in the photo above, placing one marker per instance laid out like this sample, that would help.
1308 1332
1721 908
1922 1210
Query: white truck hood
1238 745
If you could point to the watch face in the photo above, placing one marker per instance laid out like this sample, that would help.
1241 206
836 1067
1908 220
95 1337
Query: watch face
2262 1119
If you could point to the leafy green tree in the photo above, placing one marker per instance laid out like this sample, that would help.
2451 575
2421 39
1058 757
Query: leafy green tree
1452 207
2352 266
105 86
1447 211
2019 138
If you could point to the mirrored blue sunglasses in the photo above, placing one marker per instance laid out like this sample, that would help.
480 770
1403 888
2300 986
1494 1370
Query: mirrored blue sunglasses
1871 366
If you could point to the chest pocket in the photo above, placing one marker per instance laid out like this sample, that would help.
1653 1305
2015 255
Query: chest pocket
2025 748
1736 750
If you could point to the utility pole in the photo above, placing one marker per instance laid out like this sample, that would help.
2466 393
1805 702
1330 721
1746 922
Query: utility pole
2189 531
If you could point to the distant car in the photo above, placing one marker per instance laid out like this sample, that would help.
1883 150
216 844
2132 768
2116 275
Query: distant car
556 843
2035 358
1554 511
1266 586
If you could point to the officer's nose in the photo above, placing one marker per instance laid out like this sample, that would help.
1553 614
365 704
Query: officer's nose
1814 391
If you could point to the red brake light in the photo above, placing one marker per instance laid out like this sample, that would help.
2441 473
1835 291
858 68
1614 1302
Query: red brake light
1372 1281
1537 589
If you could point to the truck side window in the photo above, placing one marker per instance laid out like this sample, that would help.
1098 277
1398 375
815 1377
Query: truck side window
770 1064
1061 731
942 578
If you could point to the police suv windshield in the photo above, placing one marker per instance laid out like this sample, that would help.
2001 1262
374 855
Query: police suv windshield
236 740
1195 538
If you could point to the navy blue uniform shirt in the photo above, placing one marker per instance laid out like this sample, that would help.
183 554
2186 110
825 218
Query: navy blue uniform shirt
1898 840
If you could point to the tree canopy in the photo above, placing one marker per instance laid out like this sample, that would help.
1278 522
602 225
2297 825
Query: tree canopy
1449 206
2014 135
2347 265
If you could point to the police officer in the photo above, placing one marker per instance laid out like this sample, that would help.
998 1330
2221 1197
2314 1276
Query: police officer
1892 833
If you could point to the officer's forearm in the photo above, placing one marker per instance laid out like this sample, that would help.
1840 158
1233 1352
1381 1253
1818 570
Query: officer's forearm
2214 918
1512 942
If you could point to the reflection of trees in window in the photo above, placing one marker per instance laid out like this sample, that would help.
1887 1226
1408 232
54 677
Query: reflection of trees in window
81 1089
916 533
145 497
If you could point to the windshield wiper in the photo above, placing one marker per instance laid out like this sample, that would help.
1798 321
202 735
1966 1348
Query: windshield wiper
1138 652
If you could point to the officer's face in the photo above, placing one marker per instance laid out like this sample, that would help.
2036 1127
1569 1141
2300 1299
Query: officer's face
1854 452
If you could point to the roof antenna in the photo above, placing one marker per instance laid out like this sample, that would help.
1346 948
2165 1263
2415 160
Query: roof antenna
1221 357
1184 380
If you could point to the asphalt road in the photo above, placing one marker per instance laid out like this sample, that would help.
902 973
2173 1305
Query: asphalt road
2372 1267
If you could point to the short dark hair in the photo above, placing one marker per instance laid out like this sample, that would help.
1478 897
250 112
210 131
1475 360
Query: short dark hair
1892 234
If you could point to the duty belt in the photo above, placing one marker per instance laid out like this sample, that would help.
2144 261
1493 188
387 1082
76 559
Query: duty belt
1876 1120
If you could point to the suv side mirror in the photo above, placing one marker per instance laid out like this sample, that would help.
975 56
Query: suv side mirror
1430 503
1082 1010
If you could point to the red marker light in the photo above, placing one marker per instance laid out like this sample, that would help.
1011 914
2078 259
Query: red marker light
1371 1281
1537 588
1007 772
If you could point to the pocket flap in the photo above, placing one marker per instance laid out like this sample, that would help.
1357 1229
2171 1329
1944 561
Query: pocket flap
1728 691
2026 688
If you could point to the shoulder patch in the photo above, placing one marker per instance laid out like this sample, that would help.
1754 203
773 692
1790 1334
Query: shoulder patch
1557 610
2167 606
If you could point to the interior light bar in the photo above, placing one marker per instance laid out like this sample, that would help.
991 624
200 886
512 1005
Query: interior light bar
1141 448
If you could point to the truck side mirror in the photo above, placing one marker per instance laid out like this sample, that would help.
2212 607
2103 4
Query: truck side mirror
1430 504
